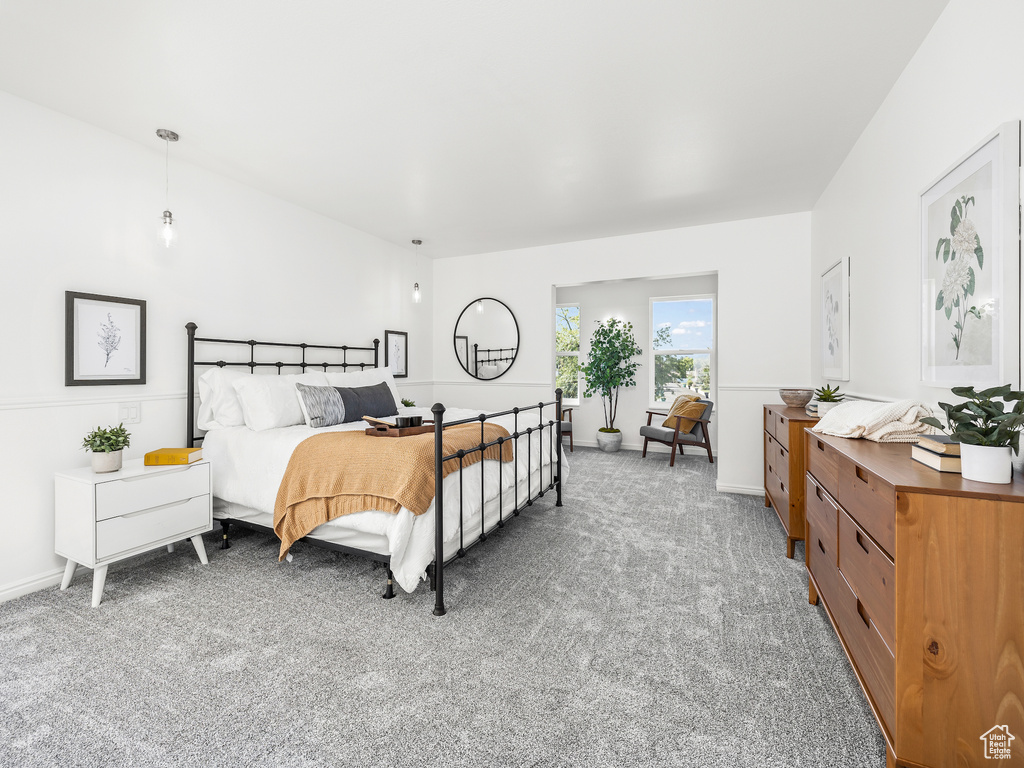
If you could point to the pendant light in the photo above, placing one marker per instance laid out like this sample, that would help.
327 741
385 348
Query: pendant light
168 230
416 296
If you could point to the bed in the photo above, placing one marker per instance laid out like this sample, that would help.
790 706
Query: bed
479 494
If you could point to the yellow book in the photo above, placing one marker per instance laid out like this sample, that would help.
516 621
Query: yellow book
165 456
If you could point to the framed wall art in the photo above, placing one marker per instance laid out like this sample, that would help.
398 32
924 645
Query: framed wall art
835 321
104 340
462 350
970 268
396 353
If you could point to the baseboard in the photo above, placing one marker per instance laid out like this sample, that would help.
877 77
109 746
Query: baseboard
31 584
747 490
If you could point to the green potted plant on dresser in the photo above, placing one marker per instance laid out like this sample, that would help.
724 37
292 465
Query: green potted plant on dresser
106 446
609 367
827 398
986 431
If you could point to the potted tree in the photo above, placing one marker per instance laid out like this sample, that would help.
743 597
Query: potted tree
609 367
985 430
827 398
106 446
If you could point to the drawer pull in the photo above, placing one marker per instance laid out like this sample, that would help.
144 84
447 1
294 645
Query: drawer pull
783 487
822 547
817 492
860 541
863 614
861 475
770 469
159 506
144 477
821 445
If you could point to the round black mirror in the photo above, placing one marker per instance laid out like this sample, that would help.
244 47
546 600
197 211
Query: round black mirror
486 339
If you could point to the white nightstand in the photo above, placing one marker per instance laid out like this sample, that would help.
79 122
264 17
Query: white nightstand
103 518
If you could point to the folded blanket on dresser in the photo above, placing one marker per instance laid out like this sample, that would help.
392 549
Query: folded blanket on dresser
898 422
339 473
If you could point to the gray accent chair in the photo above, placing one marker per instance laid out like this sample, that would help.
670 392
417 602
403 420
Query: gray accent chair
697 436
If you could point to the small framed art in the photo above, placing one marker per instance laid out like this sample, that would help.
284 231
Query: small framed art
970 254
835 321
396 353
462 350
104 340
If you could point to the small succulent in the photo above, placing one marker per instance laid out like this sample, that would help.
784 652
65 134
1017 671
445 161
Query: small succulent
983 420
408 403
107 440
828 394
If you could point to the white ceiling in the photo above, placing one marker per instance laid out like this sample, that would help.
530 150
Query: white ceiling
482 125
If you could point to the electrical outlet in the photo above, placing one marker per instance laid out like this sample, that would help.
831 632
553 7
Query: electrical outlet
129 413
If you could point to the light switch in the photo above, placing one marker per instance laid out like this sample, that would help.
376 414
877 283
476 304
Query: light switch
129 413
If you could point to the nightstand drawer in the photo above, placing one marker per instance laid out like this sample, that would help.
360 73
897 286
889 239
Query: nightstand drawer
119 497
120 534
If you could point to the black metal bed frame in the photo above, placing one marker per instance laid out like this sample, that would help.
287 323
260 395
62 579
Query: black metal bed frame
488 357
436 568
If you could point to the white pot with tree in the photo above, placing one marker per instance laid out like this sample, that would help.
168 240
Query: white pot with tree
986 431
106 446
609 367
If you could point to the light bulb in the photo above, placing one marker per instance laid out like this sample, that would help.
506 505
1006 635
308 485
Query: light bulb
168 232
416 293
479 306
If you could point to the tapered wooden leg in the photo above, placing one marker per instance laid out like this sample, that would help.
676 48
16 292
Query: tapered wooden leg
197 542
99 578
644 454
890 758
672 460
812 593
570 443
767 501
790 544
69 574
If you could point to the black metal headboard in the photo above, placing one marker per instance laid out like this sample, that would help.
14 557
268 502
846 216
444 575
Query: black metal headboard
252 364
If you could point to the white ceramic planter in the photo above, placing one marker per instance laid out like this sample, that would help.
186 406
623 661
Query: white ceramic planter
824 408
106 462
986 463
609 442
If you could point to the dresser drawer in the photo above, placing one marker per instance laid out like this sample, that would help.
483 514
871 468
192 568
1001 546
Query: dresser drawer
782 430
769 420
823 463
870 501
821 548
870 574
119 497
874 661
771 450
778 489
824 511
120 534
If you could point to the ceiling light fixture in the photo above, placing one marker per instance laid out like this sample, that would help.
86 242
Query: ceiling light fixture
416 297
168 232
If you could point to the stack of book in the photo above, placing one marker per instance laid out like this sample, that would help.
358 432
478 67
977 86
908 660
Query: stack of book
938 452
164 456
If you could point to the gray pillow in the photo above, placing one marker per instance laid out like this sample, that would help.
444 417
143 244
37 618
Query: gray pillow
326 406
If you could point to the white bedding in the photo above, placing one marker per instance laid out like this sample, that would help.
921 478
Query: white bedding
248 467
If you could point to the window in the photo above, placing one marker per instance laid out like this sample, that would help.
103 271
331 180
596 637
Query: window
567 351
682 347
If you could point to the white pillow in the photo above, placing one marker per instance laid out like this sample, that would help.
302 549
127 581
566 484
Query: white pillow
364 379
271 401
218 402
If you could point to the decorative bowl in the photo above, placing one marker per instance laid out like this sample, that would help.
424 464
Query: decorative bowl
796 398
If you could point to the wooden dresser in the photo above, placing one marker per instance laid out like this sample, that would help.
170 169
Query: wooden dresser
922 576
784 467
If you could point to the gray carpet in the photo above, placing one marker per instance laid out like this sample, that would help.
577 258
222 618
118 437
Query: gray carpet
650 621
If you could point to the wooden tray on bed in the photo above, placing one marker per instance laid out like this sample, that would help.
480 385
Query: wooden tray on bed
382 430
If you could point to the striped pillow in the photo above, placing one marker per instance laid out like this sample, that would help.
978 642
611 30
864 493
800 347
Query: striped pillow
327 406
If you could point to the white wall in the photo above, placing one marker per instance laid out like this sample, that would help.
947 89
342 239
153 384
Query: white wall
629 300
763 305
965 80
79 210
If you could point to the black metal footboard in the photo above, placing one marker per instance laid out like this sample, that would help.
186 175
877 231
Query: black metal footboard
549 429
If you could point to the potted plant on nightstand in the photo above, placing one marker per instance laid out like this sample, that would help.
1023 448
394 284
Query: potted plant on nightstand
827 398
985 430
106 446
609 366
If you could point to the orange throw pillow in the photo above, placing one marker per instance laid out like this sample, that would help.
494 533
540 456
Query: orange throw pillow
689 411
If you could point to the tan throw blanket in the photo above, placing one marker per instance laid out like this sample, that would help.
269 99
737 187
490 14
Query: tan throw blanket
338 473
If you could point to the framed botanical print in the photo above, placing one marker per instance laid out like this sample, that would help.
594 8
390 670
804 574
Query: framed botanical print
104 340
970 254
396 353
835 321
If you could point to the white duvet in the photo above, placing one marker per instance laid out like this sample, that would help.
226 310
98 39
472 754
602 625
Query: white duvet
248 467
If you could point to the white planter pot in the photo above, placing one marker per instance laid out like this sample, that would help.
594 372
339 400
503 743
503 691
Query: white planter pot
986 463
609 442
824 408
106 462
